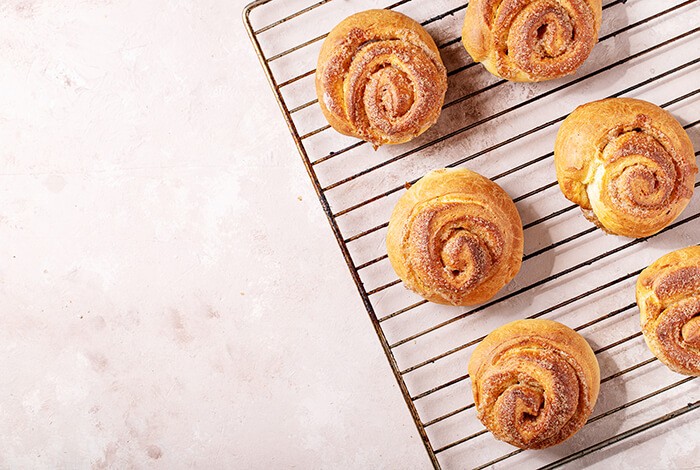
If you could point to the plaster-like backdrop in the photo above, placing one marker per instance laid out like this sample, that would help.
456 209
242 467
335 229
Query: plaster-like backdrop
171 294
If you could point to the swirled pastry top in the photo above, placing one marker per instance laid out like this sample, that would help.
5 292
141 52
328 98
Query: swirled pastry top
455 237
668 295
531 40
535 382
380 78
628 163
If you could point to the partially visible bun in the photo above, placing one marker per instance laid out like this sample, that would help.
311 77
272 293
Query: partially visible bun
534 40
668 295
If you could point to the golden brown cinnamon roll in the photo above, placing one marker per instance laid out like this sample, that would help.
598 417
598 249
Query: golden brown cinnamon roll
535 382
534 40
455 237
380 78
668 295
628 163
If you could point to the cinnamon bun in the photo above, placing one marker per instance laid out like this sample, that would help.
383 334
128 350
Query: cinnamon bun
455 237
535 382
628 163
380 78
668 295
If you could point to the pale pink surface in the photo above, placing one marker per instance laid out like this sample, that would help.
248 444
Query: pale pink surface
172 296
158 306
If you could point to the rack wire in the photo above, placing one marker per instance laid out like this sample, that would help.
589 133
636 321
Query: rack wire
571 271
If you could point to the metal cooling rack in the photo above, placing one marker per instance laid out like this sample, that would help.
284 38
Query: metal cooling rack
571 271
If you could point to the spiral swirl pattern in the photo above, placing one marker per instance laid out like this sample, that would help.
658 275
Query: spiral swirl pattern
631 167
380 78
668 295
453 245
531 40
460 242
531 389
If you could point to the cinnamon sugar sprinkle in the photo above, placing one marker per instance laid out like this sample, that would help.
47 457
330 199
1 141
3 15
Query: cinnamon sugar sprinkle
672 327
454 244
640 174
543 39
667 333
389 87
532 394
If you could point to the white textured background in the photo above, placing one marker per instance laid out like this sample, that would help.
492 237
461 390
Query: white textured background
171 295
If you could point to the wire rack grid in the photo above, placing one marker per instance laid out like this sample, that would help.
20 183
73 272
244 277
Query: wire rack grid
571 271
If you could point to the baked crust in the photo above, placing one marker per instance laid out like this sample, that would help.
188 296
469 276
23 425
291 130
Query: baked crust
380 78
668 296
531 41
535 382
455 237
628 163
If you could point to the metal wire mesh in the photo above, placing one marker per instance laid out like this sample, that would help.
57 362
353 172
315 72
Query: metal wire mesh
571 271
